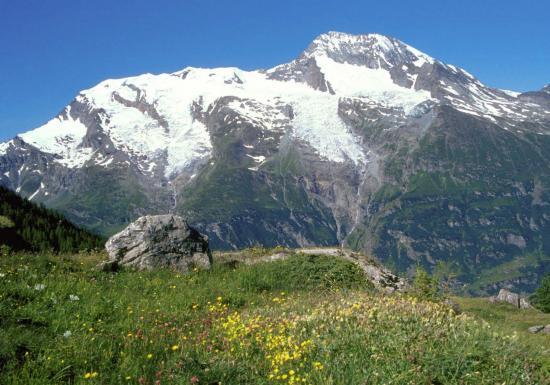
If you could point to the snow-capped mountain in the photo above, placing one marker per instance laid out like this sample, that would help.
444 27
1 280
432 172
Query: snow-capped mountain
321 150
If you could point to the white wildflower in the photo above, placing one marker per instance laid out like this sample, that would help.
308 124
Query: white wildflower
67 334
39 286
73 297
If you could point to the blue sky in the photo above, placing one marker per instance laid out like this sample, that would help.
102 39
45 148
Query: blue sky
50 50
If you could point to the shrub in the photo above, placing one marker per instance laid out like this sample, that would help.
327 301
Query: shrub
425 286
5 250
6 223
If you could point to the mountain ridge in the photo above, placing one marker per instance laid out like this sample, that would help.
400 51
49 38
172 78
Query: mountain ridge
318 151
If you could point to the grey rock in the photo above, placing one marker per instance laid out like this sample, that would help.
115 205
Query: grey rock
546 329
160 241
535 329
524 304
516 240
506 296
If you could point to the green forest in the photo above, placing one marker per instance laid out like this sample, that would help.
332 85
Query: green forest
32 227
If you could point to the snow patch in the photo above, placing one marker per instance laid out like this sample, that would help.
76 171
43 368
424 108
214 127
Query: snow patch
513 94
317 122
258 159
4 146
36 192
61 136
182 140
376 84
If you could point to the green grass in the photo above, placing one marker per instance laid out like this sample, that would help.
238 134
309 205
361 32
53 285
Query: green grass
306 319
508 319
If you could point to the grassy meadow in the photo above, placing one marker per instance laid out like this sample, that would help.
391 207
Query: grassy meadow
303 320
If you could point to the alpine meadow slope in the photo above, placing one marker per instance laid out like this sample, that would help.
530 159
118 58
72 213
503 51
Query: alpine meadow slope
362 140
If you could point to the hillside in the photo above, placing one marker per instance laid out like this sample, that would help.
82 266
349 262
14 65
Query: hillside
362 140
27 226
306 319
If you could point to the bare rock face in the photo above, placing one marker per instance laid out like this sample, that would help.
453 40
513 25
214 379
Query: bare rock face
511 298
159 241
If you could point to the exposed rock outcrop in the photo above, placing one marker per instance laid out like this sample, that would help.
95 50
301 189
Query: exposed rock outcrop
535 329
539 329
512 298
380 277
159 241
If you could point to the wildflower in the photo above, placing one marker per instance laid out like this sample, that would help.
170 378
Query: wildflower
89 375
39 287
67 334
175 347
149 356
73 297
194 380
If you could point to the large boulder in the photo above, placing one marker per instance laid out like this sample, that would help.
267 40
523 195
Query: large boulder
155 241
511 298
539 329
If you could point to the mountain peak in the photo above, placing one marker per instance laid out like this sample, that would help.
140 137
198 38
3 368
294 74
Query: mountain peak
373 50
371 39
